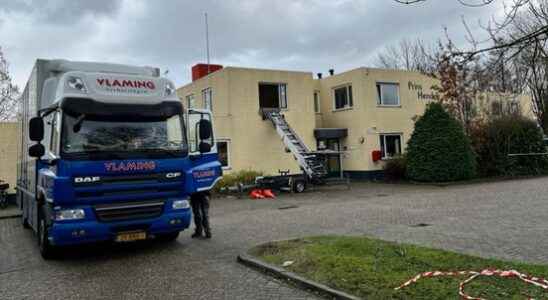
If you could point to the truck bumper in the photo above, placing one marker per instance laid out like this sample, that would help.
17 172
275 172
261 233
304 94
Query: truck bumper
72 233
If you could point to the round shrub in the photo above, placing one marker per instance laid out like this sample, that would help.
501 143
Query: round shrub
512 145
439 150
395 169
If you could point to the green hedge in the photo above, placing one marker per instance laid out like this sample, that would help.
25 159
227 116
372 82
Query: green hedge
232 179
395 169
510 135
439 150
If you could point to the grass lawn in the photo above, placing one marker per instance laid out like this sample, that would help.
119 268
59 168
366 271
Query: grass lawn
372 268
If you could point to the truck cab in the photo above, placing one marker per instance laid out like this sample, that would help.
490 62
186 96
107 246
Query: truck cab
112 155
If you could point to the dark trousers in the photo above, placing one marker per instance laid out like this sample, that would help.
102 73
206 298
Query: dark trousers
200 209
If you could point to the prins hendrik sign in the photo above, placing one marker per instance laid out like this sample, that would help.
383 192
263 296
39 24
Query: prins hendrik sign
126 86
422 95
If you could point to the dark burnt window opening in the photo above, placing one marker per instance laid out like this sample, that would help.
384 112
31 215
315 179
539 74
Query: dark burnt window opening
273 95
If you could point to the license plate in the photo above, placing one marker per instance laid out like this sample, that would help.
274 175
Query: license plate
131 236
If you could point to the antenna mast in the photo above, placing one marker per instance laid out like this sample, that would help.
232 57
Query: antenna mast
207 42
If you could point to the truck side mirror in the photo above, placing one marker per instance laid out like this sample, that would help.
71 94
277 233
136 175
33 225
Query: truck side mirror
204 147
36 129
204 127
37 150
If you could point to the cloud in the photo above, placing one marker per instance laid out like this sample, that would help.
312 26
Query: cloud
311 35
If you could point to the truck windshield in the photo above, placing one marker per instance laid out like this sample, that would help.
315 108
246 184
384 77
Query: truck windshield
88 135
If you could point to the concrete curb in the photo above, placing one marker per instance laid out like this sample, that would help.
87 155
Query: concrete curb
12 216
281 273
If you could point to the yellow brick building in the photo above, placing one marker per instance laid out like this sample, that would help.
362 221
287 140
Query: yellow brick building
9 138
356 112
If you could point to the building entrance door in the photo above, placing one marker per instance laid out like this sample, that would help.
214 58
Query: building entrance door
333 162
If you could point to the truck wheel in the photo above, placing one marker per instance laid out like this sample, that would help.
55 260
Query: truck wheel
25 222
168 237
299 186
46 249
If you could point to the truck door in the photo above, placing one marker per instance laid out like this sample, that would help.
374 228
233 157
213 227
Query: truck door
206 168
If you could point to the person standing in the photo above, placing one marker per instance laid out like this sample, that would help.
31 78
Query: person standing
200 210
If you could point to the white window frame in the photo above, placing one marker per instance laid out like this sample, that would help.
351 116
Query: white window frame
228 160
383 137
379 95
317 102
350 95
280 94
282 97
205 92
188 98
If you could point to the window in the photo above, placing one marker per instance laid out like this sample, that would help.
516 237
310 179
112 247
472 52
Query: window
317 102
388 94
390 145
273 95
54 140
190 101
100 135
223 149
343 97
283 96
207 96
514 108
496 108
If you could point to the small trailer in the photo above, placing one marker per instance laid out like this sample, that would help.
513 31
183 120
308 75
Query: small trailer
296 183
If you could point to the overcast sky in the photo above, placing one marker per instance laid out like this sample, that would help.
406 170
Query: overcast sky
309 35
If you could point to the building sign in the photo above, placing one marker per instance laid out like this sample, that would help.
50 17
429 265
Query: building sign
421 95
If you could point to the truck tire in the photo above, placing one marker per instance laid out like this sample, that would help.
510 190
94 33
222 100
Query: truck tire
299 186
25 222
46 249
168 237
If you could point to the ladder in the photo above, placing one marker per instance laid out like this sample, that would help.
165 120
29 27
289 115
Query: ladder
312 164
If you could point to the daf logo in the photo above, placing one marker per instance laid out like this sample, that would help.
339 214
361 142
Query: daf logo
87 179
173 175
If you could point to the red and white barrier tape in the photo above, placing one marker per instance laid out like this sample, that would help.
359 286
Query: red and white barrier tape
540 282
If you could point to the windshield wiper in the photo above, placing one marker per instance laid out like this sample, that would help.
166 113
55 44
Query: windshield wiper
173 153
78 124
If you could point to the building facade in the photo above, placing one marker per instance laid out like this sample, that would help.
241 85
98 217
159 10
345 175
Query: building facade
9 142
365 114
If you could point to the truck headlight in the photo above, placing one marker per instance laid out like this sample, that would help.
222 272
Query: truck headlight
70 214
180 204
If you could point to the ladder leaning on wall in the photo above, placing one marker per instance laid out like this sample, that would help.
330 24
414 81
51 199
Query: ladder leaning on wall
311 163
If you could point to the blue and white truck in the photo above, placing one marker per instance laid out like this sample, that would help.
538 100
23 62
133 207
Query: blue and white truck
108 153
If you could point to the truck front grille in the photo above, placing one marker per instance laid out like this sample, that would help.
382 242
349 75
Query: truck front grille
128 211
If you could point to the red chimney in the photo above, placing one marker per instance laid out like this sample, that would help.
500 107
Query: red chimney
201 70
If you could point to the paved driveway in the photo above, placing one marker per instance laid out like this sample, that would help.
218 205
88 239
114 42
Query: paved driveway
507 220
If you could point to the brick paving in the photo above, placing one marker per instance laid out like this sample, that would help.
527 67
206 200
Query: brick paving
507 220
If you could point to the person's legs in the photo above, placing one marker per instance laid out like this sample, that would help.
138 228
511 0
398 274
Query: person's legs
195 202
205 215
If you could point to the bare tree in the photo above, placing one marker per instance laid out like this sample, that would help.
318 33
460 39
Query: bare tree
461 80
517 58
409 55
9 92
512 9
529 62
